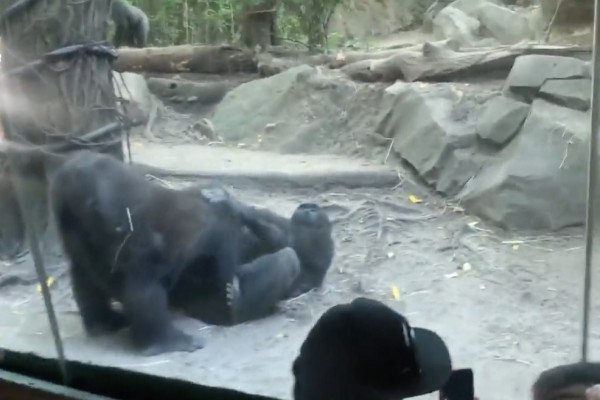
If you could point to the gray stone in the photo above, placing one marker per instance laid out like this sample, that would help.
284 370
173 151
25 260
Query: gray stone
538 181
530 72
451 23
462 166
303 109
470 7
246 110
507 26
133 87
501 119
422 123
571 93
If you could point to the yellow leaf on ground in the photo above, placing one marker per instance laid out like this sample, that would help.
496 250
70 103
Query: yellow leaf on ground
414 199
49 282
396 293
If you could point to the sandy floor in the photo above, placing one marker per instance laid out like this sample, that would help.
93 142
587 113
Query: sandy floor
508 305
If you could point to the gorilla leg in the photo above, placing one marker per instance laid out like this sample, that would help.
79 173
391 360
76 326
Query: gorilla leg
93 300
259 285
94 304
310 231
151 328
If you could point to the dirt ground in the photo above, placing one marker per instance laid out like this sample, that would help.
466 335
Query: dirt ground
508 305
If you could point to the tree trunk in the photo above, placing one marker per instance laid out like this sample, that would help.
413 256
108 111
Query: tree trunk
258 25
63 98
186 58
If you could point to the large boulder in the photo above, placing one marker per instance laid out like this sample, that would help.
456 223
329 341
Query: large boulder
428 124
530 72
505 25
470 7
452 23
301 110
571 93
538 181
501 119
249 108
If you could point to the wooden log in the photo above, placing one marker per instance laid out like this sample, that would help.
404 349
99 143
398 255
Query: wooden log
437 61
186 58
193 92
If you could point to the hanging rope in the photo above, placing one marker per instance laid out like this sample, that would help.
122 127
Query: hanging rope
591 184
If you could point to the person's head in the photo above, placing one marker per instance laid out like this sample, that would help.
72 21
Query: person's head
364 350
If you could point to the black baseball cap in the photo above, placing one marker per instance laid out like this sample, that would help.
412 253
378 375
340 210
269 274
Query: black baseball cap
364 350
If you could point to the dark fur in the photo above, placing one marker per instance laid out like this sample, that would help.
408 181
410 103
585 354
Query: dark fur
173 231
253 293
566 381
131 24
308 232
280 258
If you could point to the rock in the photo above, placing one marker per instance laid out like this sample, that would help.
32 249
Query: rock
571 93
134 88
365 18
451 23
461 167
538 181
501 119
470 7
307 109
422 123
507 26
530 72
431 12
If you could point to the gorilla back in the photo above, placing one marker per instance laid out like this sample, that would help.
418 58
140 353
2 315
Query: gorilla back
130 239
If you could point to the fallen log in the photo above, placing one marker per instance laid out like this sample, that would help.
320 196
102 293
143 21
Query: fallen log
429 61
193 92
186 58
432 61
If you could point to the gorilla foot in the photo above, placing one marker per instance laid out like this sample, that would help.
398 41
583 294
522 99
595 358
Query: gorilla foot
176 341
109 323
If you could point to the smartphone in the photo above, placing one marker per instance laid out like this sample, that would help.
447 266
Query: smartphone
460 386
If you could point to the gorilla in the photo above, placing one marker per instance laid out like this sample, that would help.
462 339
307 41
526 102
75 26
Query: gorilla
280 258
130 240
131 24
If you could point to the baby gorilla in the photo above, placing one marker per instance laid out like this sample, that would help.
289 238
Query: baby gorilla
280 258
131 240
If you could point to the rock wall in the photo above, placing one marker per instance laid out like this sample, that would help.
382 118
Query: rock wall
518 160
514 154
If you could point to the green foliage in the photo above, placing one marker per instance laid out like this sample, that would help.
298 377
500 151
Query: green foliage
219 21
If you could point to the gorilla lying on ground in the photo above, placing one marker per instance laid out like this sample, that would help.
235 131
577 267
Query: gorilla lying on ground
131 24
280 258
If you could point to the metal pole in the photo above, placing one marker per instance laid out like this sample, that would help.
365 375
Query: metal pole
592 181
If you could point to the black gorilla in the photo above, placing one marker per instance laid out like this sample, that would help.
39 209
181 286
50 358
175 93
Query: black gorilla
280 258
130 239
131 24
